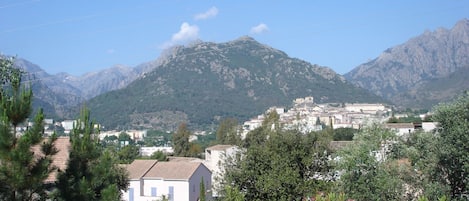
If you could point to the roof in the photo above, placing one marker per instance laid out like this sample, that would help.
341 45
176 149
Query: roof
174 170
59 160
220 147
399 125
138 168
184 159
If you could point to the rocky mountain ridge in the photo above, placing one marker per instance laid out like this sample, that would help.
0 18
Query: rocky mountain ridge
401 73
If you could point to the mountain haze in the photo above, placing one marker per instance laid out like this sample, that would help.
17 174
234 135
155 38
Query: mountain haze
205 81
422 72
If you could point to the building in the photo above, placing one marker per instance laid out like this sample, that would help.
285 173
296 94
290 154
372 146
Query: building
215 157
153 180
148 151
401 128
59 160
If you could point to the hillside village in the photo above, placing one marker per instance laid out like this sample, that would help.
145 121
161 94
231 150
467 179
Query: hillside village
182 183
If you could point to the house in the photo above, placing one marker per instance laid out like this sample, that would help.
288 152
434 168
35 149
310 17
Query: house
401 128
59 160
153 180
215 157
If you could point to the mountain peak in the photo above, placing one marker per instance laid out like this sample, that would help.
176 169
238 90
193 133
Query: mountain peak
461 26
399 73
245 38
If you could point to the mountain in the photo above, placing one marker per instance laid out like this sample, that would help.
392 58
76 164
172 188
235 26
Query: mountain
422 72
204 82
95 83
50 93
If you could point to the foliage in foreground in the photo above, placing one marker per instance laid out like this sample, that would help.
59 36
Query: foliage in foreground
278 165
22 170
91 174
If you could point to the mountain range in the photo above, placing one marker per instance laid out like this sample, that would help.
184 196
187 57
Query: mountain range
426 70
203 82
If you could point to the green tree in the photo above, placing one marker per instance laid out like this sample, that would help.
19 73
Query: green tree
232 194
421 151
227 132
125 137
284 167
194 150
367 170
23 169
344 134
128 153
91 173
453 147
202 196
159 155
181 143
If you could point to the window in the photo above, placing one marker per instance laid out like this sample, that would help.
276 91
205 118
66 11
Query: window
131 194
153 191
171 193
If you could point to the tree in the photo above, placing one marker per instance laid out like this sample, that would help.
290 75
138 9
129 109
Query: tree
367 170
91 173
453 147
202 196
227 132
128 153
181 143
159 155
23 168
344 134
285 166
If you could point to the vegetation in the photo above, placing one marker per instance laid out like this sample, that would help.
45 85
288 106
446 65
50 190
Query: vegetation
92 173
22 168
365 172
227 132
452 164
344 134
278 165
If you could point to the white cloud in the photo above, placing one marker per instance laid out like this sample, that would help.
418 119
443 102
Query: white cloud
261 28
212 12
185 34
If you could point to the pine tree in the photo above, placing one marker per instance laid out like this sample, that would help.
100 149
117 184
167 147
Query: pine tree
22 170
92 173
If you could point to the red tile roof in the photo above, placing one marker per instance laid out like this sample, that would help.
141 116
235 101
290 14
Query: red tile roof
138 168
59 160
173 170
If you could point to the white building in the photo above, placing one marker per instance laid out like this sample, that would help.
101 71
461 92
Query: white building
364 107
148 151
215 157
153 180
401 128
68 125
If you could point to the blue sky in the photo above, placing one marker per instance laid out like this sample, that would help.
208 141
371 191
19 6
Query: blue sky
83 36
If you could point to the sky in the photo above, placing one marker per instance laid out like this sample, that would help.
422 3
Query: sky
86 36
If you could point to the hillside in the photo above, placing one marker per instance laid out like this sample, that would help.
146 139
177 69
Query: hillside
50 93
426 70
206 81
